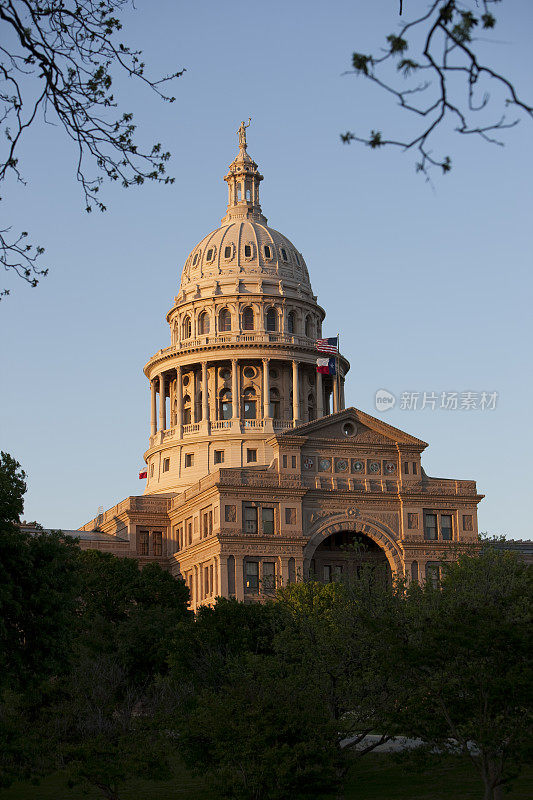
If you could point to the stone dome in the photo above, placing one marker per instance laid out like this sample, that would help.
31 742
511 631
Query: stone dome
244 244
245 247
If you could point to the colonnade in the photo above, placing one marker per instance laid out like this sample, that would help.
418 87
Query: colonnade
164 380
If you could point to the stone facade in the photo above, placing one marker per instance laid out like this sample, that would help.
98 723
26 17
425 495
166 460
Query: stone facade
257 474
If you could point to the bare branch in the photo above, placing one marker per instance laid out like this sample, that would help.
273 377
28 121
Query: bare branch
448 49
57 64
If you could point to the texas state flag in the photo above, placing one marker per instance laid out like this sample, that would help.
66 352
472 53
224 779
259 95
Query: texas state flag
143 473
326 366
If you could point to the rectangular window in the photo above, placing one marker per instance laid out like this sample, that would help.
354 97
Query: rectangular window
290 516
166 464
267 251
430 526
210 522
251 456
142 544
205 525
406 467
268 520
247 251
467 522
206 581
250 519
189 531
189 459
336 572
157 542
326 575
414 468
219 457
211 582
293 462
251 577
269 577
446 527
230 513
227 252
284 462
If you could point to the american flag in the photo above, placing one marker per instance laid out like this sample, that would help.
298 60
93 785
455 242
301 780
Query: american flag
330 345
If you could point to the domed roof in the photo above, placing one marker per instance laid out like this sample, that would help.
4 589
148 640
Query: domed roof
244 244
245 247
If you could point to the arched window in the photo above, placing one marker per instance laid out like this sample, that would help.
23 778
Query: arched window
309 326
203 323
272 320
225 404
187 410
274 404
249 403
186 330
224 320
291 321
311 415
248 319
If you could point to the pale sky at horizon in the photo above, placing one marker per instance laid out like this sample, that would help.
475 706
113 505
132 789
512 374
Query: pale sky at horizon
429 288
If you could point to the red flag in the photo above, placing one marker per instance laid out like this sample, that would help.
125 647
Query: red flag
143 473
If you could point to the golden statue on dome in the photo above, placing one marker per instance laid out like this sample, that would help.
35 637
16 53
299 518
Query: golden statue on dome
242 133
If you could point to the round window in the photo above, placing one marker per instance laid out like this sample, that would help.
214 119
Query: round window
249 372
225 374
185 380
273 374
348 429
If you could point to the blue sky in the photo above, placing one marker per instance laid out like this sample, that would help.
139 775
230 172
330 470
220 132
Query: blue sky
429 288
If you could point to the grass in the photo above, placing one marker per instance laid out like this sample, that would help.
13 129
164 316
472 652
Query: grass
374 777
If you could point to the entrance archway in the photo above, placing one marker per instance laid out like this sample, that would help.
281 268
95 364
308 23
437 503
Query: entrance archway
344 554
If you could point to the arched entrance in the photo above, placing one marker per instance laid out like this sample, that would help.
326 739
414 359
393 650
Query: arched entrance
344 554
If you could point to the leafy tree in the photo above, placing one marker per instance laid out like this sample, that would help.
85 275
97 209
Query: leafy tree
467 662
262 736
58 61
219 634
102 727
436 57
12 489
339 635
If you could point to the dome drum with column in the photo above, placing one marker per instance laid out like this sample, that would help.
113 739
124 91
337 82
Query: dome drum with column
246 311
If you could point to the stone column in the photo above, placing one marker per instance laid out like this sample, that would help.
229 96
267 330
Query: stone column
179 400
223 576
343 403
235 388
266 388
239 578
319 396
153 409
162 404
205 395
335 394
295 393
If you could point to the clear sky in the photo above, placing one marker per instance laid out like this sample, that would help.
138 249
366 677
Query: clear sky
430 289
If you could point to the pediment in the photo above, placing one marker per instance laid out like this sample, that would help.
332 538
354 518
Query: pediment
366 430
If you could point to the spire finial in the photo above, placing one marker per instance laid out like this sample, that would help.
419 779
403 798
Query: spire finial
242 133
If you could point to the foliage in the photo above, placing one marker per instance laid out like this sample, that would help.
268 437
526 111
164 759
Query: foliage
467 658
445 80
12 489
340 635
219 634
262 736
57 64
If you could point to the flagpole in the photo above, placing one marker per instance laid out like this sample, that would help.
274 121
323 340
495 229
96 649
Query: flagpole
338 370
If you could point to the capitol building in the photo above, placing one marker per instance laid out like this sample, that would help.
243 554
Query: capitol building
257 474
